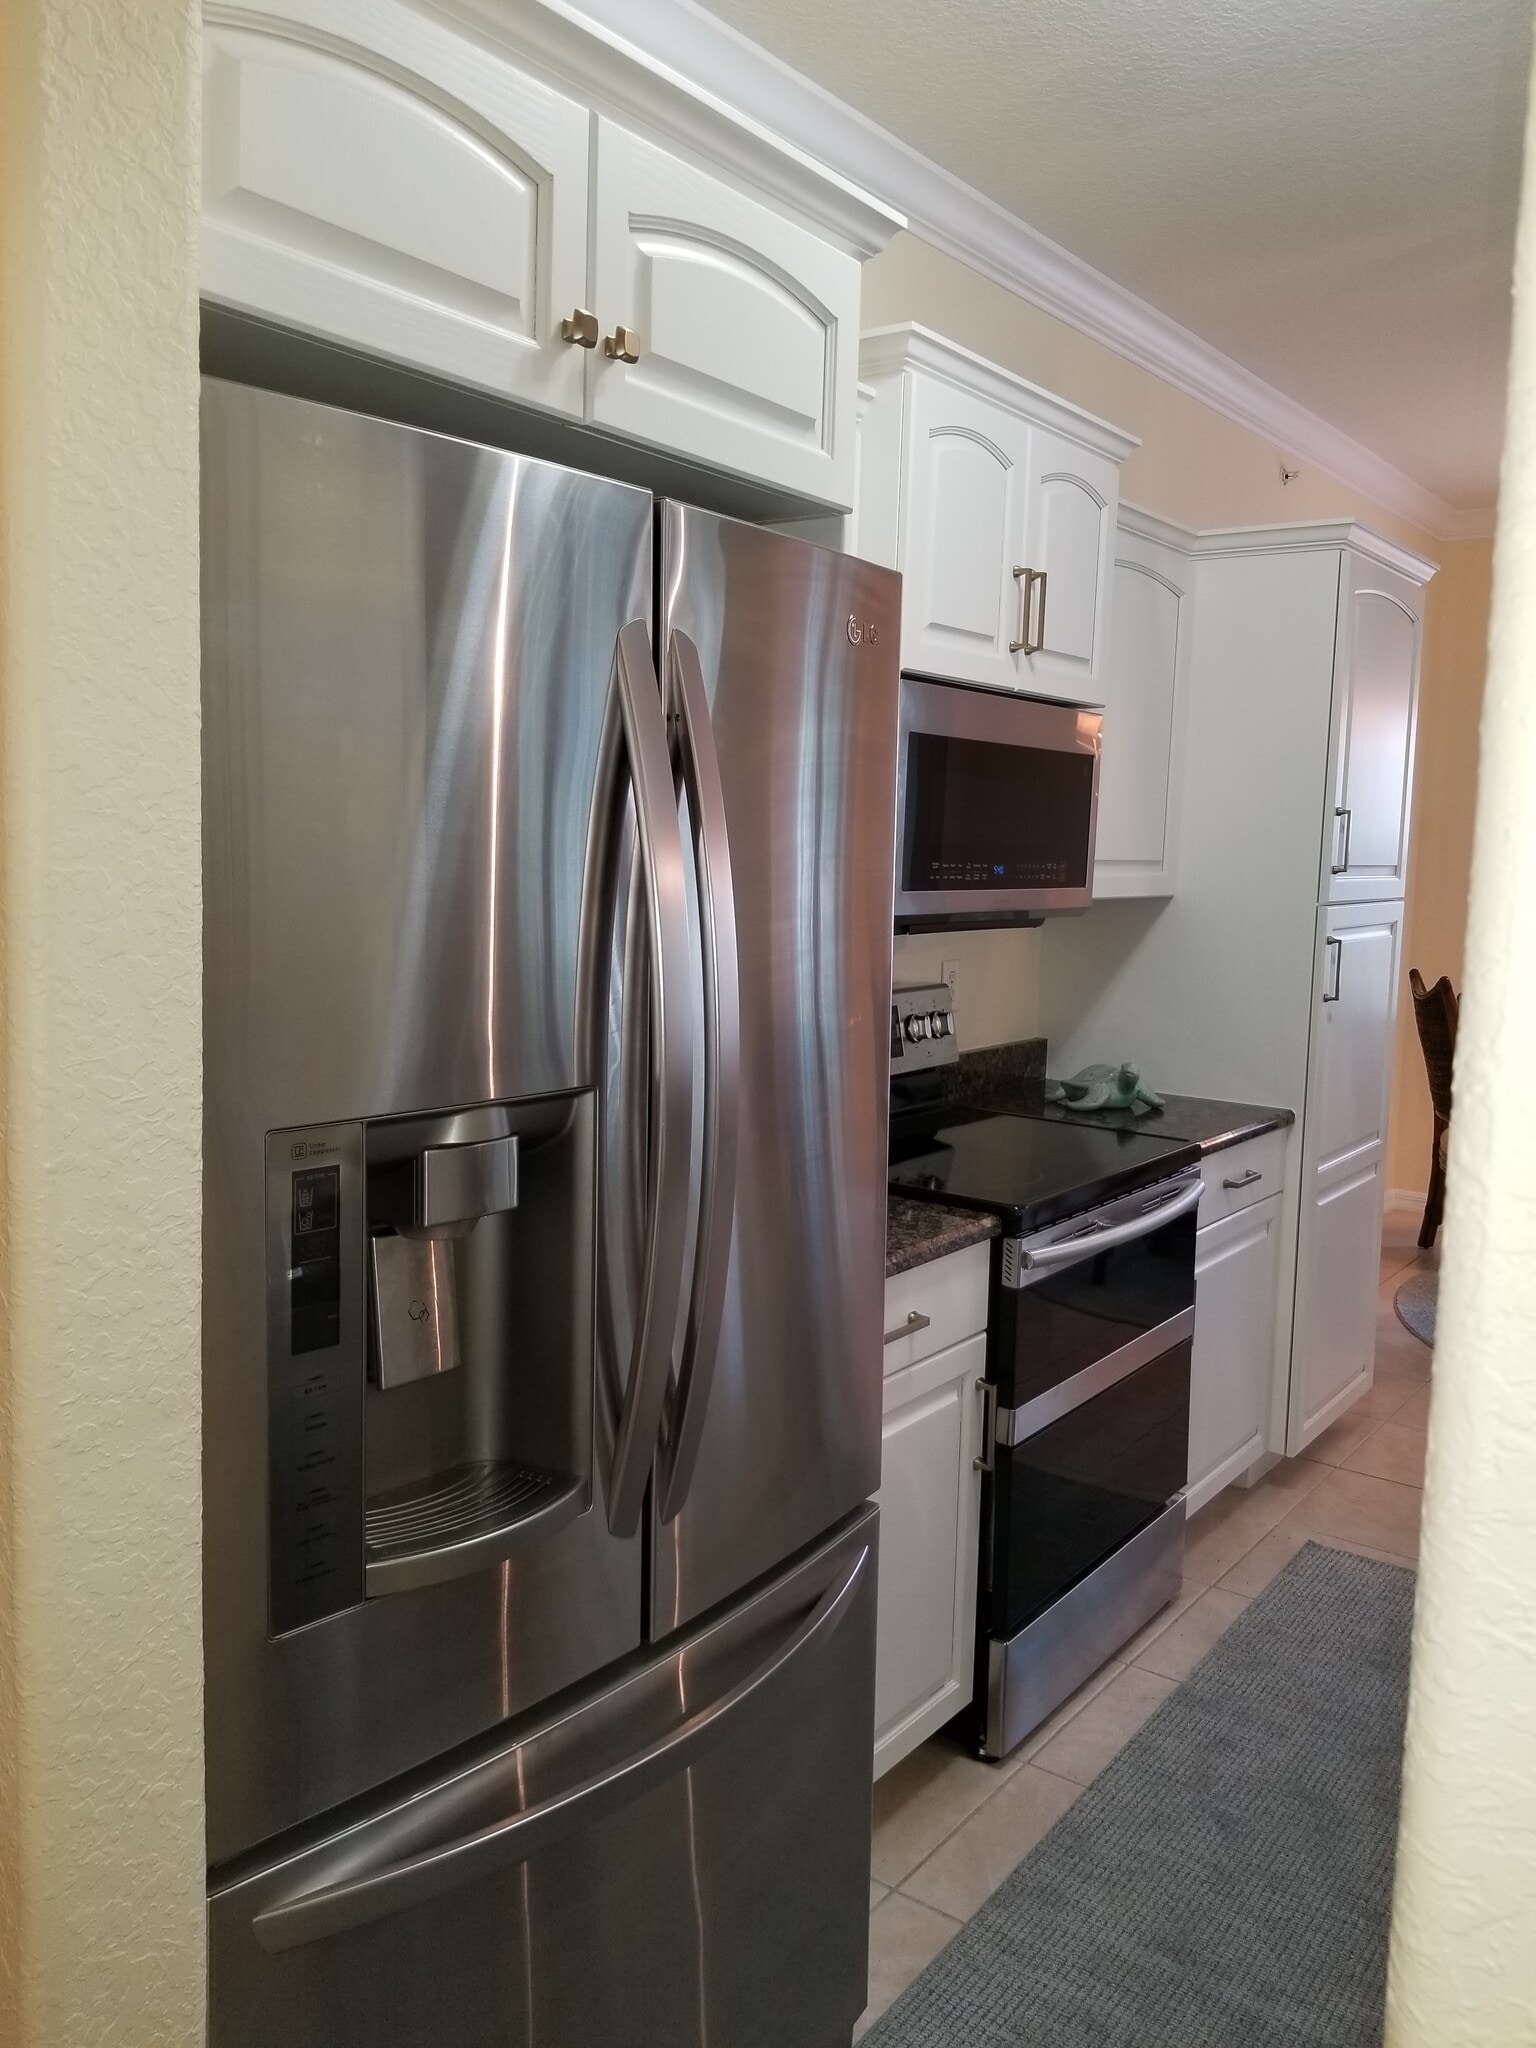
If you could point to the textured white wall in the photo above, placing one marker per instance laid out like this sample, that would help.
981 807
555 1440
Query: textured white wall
101 1834
1463 1969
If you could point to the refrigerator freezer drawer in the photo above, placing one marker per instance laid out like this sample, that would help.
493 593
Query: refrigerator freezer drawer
681 1857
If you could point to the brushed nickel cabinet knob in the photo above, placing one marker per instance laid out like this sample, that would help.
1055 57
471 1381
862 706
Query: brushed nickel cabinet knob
623 345
581 328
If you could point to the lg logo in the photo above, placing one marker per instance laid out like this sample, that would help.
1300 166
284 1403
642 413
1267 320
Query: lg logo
860 631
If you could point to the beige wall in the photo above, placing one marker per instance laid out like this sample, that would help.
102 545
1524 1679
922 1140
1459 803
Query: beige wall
101 1830
1463 1961
1444 798
1198 468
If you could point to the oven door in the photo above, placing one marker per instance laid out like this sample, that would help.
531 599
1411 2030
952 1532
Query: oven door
997 804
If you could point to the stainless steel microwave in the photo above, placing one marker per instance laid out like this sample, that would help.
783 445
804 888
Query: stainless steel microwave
997 804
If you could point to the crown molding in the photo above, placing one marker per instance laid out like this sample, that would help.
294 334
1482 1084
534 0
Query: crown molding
887 351
622 59
1286 537
951 215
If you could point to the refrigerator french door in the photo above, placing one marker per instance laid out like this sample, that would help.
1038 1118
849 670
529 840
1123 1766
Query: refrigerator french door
548 868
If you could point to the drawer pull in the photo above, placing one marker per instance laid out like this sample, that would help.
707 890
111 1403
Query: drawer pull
1243 1180
987 1462
909 1328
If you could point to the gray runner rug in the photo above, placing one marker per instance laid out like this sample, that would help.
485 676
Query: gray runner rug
1226 1881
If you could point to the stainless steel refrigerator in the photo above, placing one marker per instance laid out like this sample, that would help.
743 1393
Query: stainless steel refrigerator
548 873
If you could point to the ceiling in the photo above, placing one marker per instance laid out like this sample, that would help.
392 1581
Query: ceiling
1323 189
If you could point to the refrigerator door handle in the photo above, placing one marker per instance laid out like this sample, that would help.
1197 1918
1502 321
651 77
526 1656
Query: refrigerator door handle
700 773
379 1884
658 831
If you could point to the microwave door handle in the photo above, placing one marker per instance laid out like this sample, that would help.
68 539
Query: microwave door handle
371 1882
700 767
1091 1242
659 839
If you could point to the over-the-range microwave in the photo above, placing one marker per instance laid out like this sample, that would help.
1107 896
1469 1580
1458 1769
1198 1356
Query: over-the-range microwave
997 804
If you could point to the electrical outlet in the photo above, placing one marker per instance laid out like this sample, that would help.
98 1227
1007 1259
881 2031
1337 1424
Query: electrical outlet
950 972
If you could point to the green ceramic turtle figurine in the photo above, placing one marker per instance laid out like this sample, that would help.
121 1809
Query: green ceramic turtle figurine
1106 1088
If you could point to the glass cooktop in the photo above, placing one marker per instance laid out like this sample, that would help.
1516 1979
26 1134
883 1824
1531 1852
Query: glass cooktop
1029 1171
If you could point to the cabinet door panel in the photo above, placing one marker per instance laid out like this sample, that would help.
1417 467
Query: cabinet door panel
417 199
1140 688
930 1508
1237 1272
1073 497
1349 1068
962 536
1376 693
747 324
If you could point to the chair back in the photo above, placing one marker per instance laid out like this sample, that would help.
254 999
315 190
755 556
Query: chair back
1435 1012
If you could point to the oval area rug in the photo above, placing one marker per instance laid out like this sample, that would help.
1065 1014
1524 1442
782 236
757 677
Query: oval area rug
1415 1303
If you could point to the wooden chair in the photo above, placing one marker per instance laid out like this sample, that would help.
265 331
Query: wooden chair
1435 1011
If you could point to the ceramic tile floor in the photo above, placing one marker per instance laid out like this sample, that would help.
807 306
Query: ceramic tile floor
948 1829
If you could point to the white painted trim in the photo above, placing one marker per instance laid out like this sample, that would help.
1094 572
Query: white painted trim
619 59
1287 537
953 216
886 351
1400 1199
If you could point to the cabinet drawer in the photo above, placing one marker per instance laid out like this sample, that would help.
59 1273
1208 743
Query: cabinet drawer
941 1303
1241 1174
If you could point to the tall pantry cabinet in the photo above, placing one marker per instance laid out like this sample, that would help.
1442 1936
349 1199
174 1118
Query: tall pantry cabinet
1273 973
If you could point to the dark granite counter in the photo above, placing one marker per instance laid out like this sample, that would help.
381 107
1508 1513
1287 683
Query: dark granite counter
916 1232
1194 1119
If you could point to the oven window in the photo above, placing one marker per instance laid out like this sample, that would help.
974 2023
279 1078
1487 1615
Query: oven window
980 815
1066 1497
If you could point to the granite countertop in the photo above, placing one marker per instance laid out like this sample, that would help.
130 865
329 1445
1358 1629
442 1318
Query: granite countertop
916 1232
1193 1119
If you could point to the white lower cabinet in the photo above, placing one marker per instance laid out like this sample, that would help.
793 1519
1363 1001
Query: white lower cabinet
1237 1275
930 1518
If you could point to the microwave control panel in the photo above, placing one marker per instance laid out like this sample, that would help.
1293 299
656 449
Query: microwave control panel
923 1028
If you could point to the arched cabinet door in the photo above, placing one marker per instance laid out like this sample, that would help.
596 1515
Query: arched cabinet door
729 332
375 178
1074 492
1375 706
963 512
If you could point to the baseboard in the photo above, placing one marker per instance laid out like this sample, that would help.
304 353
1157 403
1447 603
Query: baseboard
1406 1198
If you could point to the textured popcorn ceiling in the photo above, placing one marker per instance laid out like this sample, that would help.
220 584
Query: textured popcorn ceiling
1325 189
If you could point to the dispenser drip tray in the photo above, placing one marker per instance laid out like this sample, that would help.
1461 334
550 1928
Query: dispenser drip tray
460 1521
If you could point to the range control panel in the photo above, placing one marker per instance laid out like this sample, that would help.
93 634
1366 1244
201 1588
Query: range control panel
923 1028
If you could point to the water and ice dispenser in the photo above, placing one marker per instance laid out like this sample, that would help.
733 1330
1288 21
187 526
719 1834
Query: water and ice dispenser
429 1318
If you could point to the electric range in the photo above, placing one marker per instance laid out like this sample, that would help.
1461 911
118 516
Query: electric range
1088 1358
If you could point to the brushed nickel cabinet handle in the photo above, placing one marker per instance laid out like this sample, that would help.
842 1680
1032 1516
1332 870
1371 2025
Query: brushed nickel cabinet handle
987 1462
1243 1180
623 345
581 328
1337 946
1029 581
909 1328
1342 811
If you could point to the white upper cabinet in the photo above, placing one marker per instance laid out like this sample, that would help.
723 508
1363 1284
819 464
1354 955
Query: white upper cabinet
997 503
376 176
371 177
740 324
1375 697
1136 844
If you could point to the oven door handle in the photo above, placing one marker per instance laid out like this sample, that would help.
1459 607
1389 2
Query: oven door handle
1088 1243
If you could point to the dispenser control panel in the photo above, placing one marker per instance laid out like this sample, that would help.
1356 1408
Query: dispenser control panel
316 1365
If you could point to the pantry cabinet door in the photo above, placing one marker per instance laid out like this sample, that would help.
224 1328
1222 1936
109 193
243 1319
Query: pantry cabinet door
742 325
1375 708
964 511
930 1522
1343 1161
375 178
1073 496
